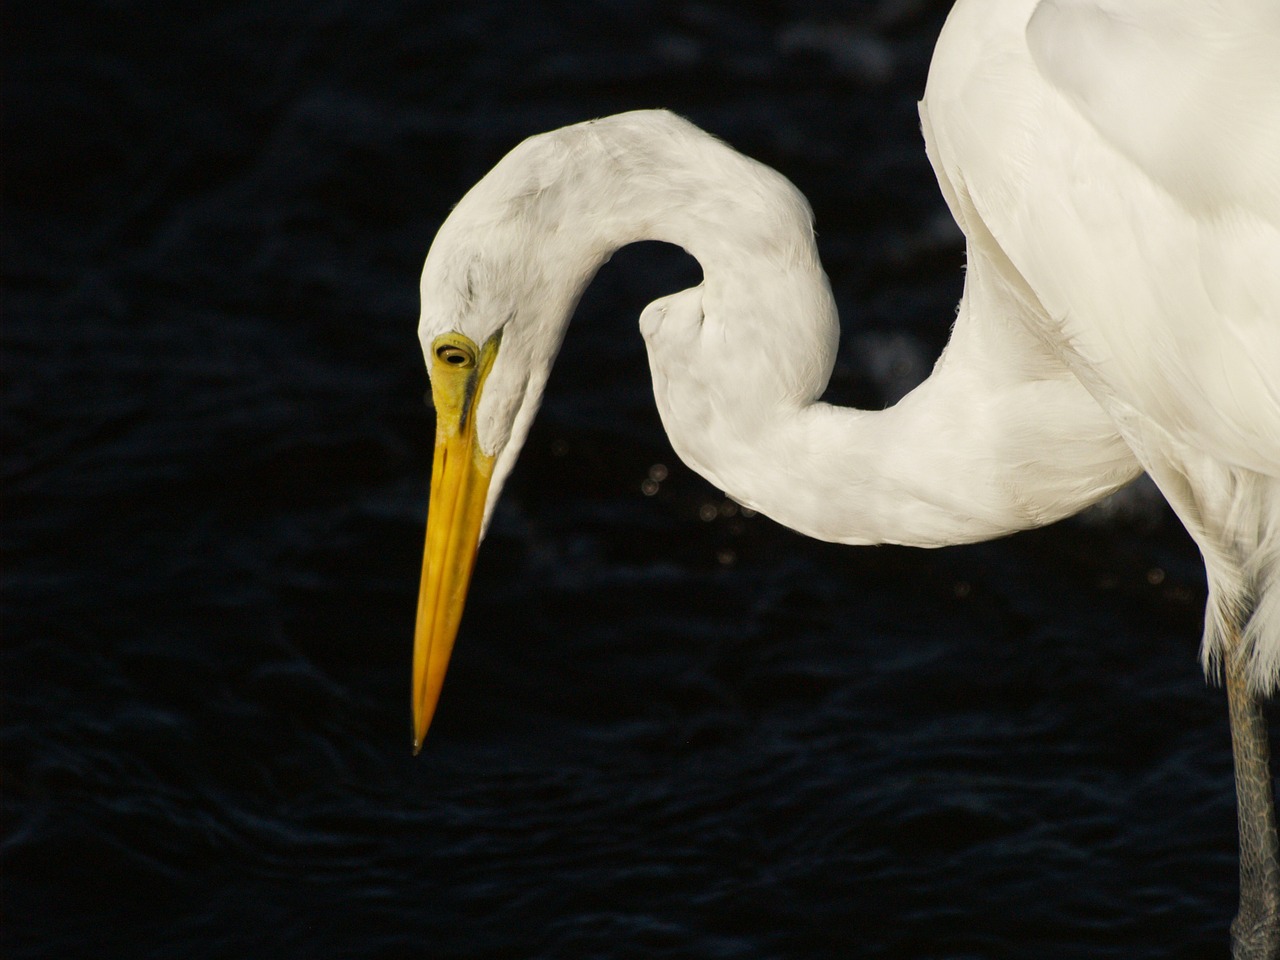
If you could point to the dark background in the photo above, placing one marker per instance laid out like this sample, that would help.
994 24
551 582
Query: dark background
669 730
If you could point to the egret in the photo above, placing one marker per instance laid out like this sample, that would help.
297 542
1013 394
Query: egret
1115 168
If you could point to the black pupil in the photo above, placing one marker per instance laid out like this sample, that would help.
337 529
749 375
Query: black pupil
455 357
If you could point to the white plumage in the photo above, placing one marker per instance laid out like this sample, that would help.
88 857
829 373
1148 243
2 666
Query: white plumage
1118 164
1115 167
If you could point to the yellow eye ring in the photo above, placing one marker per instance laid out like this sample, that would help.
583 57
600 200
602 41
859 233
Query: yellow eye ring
455 356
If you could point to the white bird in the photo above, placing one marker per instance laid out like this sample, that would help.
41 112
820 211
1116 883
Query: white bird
1115 167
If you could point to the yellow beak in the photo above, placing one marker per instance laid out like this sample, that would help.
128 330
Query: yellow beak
460 475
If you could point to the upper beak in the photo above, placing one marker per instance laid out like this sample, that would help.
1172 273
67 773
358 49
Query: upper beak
460 475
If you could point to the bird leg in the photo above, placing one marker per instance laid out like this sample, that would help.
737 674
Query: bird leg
1255 932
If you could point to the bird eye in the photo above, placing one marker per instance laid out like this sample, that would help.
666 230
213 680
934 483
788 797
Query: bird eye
455 356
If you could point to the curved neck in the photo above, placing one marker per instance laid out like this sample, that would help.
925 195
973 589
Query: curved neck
973 453
653 176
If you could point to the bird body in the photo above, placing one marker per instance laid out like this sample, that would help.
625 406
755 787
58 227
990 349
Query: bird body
1118 165
1115 167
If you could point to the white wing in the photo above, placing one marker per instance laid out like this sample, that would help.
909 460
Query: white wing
1124 158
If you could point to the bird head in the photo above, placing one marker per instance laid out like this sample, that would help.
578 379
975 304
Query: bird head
505 273
496 299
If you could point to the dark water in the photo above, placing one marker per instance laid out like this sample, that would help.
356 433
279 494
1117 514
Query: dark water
663 735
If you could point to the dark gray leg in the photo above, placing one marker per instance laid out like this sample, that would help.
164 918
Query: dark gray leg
1255 932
